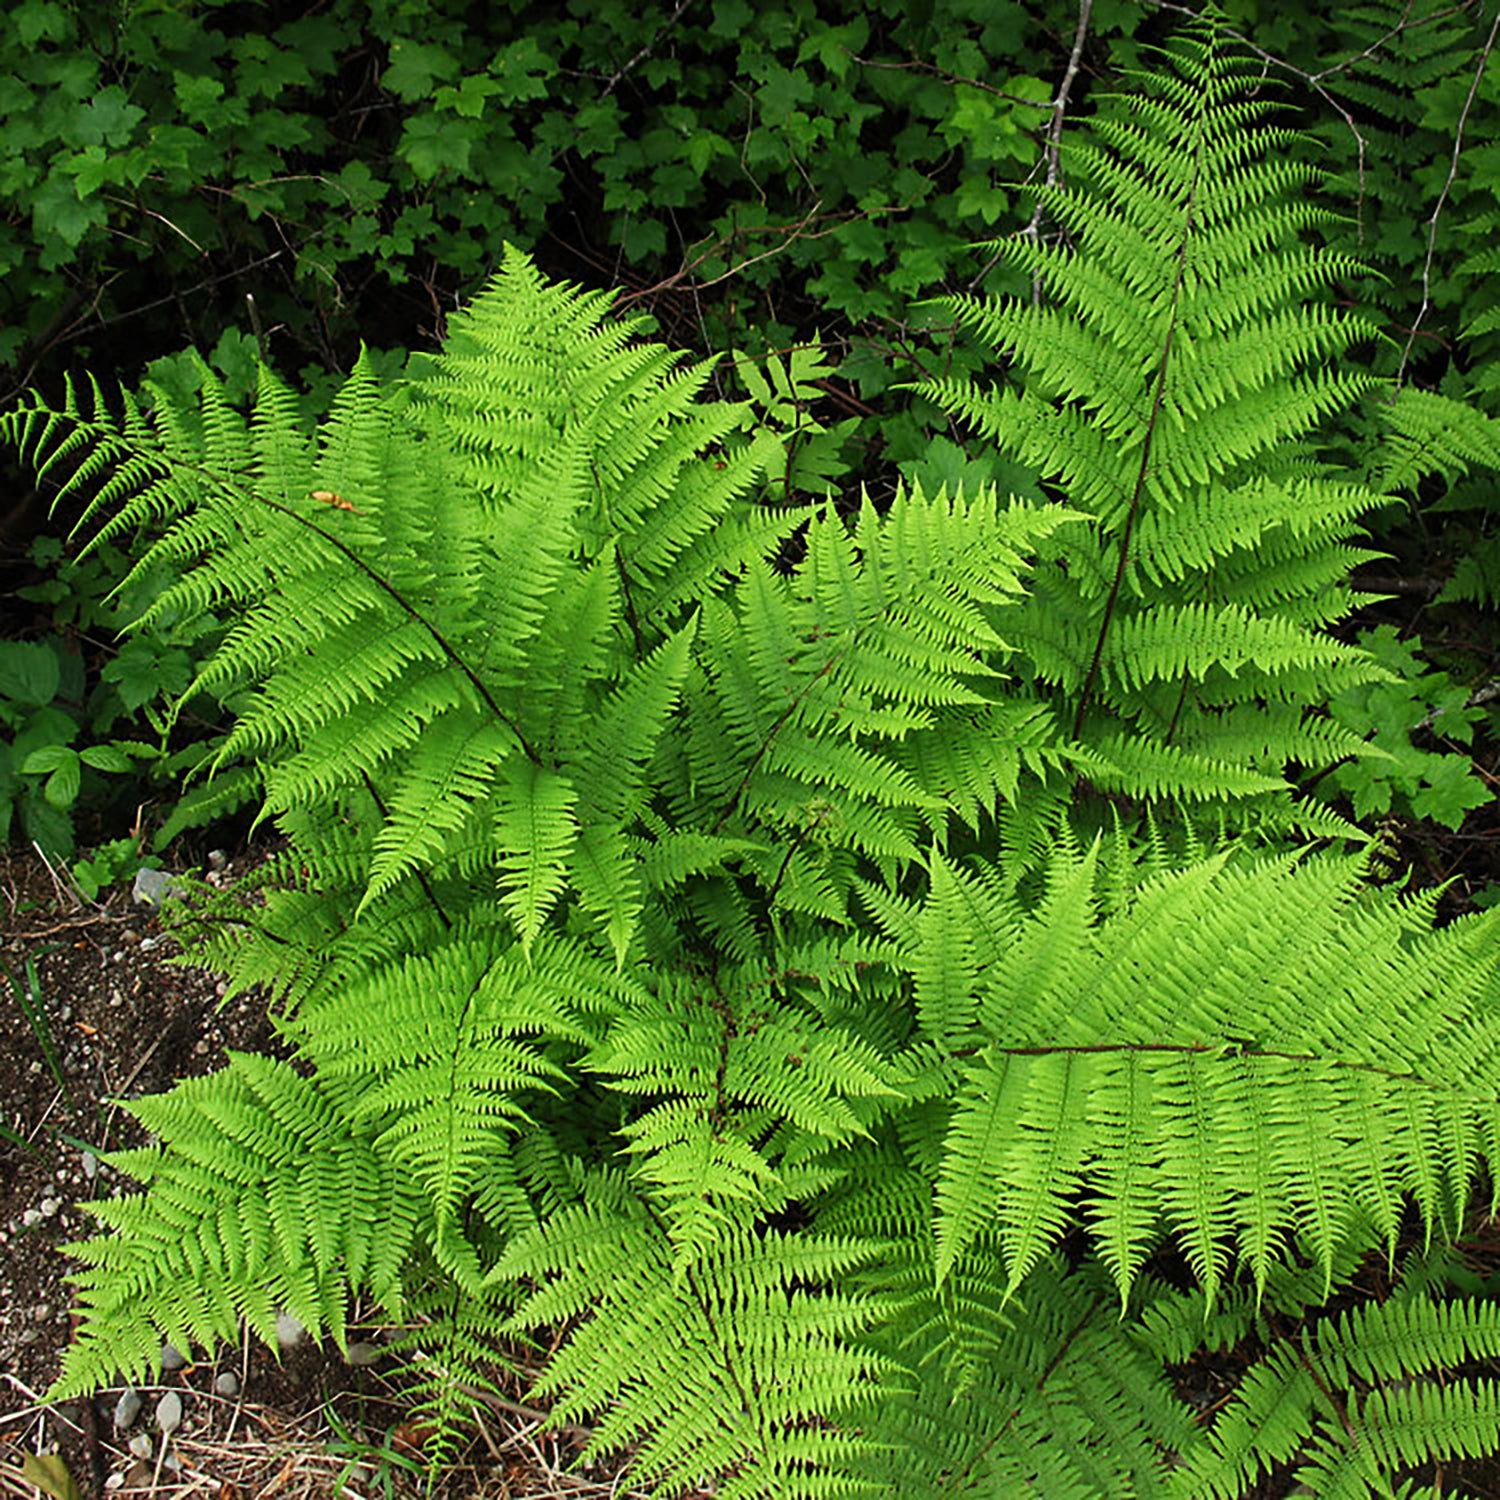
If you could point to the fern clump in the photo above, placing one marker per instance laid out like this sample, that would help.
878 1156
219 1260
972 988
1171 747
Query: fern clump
684 952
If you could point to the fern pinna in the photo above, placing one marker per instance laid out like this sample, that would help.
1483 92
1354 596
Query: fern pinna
657 957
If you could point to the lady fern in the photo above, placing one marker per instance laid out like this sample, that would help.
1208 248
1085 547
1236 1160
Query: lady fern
668 948
1169 375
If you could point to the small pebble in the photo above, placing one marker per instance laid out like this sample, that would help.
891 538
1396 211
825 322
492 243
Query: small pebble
127 1408
172 1358
41 1312
217 859
114 1482
138 1476
169 1413
140 1445
49 1207
90 1164
31 1218
289 1330
227 1383
362 1354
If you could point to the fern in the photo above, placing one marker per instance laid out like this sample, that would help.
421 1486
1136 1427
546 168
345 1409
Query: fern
690 952
1170 378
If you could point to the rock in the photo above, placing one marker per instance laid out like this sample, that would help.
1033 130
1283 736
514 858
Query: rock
127 1408
227 1384
169 1413
138 1476
217 859
49 1207
141 1445
289 1330
152 887
31 1218
362 1354
90 1164
172 1358
41 1312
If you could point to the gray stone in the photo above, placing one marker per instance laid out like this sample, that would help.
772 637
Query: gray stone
362 1354
172 1358
169 1413
227 1383
152 887
141 1445
289 1330
127 1408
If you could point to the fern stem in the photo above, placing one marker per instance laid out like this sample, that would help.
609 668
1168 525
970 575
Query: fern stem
1144 468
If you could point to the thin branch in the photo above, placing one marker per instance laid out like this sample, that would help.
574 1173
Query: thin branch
647 50
1052 151
1059 112
917 65
793 232
1432 223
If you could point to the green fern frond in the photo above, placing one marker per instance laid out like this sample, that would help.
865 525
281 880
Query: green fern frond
701 1381
1244 1054
1170 380
264 1194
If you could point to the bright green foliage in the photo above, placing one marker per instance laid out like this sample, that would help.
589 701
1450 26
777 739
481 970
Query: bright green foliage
1349 1399
1416 705
668 948
1172 367
1284 1078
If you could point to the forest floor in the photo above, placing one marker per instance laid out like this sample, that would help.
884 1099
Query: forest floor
92 1012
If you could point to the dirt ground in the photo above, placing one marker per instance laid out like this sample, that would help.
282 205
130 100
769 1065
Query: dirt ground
105 1018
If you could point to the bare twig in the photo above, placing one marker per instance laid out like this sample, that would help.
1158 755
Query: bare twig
1052 152
1432 222
916 65
647 50
793 233
1059 112
67 892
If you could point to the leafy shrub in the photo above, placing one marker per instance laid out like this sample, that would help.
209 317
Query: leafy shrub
1415 702
364 158
662 956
